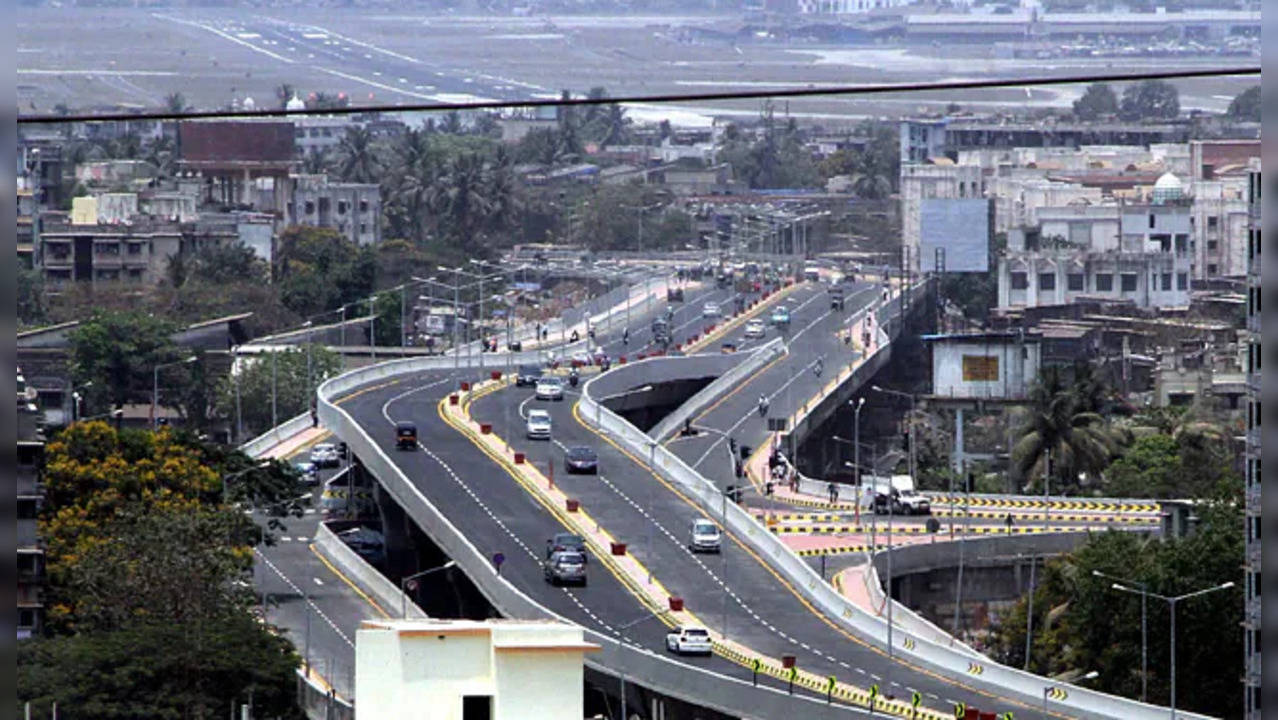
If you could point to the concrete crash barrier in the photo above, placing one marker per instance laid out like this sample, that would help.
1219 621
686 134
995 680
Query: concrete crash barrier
367 578
948 662
661 673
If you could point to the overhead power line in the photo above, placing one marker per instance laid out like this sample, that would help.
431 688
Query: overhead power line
878 89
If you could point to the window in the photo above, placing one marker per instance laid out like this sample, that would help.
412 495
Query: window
1167 281
1104 282
1213 222
363 206
135 274
310 207
1181 241
299 133
108 248
1211 245
1047 281
1020 281
328 132
314 132
363 228
341 207
1074 282
1182 281
1151 221
27 508
1212 269
1128 282
26 618
135 248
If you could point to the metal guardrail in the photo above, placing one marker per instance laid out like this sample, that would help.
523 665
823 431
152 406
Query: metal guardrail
942 659
661 673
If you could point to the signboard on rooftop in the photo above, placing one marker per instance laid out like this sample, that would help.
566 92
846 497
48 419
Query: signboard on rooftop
954 234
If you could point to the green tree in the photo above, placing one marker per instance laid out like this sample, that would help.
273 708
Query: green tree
1099 100
161 670
875 169
1246 106
294 373
225 264
1059 436
1150 100
1081 623
115 354
1149 468
175 103
357 159
32 308
317 270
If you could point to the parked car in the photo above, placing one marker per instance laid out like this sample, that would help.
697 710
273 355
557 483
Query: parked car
711 310
538 425
325 455
705 536
581 459
308 471
527 375
550 388
565 542
901 502
566 567
689 639
755 329
405 435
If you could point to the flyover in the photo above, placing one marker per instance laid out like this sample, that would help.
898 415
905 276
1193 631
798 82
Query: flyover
479 511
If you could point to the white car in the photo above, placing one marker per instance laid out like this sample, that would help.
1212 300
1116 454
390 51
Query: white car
755 329
538 425
689 639
711 310
325 455
550 388
705 536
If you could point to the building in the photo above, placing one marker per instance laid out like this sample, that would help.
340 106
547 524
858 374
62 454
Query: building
926 138
921 182
1252 559
30 594
1137 253
989 366
463 669
352 209
85 246
39 169
314 134
238 164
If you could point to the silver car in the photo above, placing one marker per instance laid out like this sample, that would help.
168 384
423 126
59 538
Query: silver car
566 567
705 536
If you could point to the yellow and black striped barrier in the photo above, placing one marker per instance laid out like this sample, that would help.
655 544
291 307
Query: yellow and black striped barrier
1095 505
834 550
975 668
1058 694
921 530
1028 516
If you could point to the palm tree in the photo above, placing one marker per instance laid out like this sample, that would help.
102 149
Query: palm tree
175 103
1061 437
356 157
161 152
461 201
316 162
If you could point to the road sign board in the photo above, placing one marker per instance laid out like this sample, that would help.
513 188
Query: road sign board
830 682
498 559
916 699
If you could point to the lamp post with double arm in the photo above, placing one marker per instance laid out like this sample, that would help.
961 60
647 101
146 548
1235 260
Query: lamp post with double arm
403 585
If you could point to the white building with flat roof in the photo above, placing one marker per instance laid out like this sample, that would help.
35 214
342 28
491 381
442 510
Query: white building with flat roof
461 669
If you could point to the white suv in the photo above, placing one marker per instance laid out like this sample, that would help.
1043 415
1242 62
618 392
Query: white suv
325 455
689 639
710 310
755 329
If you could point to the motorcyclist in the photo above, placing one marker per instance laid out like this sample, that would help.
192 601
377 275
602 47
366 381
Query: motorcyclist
573 377
818 366
763 406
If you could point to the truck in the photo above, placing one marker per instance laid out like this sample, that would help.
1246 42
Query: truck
896 495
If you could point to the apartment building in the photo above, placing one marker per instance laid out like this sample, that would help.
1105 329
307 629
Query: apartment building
1137 253
30 590
352 209
82 247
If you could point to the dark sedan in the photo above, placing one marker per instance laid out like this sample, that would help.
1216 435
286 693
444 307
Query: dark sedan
581 459
562 542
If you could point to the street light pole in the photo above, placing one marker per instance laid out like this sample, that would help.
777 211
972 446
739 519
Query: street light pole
155 386
403 586
856 453
1171 603
1144 637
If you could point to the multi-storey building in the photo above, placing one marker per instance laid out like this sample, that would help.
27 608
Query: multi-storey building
29 494
352 209
1138 253
1252 559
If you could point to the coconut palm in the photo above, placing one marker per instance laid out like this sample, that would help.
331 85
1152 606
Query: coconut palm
357 159
175 103
162 153
1060 437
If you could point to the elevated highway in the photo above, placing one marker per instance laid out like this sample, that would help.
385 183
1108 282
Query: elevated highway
471 498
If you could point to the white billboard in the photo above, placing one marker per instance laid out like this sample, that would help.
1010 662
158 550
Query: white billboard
954 234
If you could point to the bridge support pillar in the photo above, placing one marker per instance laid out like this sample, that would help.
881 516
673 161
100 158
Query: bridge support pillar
396 529
958 459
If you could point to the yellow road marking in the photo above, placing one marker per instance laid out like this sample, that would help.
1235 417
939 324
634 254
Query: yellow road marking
348 581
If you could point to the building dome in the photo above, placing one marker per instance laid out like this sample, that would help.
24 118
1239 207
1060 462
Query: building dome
1168 187
295 104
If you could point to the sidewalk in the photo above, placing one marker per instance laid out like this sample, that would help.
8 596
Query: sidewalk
290 445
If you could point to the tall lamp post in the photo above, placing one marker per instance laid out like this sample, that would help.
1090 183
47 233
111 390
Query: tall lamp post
1171 606
403 586
909 429
155 385
1144 627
